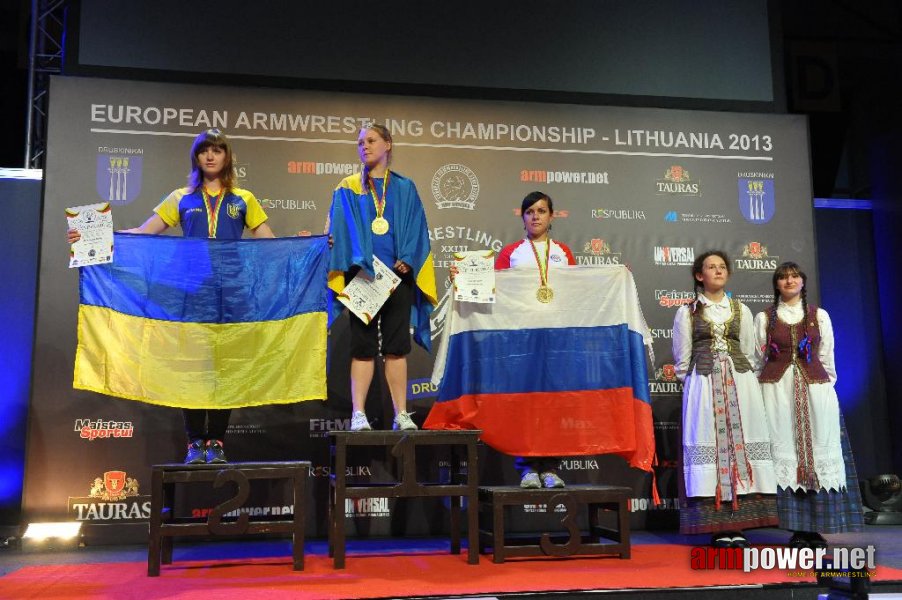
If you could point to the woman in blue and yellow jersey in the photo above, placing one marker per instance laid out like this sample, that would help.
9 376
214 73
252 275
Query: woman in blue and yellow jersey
379 213
210 206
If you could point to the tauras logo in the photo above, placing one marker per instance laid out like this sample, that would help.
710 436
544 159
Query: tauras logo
92 430
756 258
113 497
677 181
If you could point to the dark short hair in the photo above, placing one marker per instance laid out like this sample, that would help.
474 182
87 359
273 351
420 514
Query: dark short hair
533 197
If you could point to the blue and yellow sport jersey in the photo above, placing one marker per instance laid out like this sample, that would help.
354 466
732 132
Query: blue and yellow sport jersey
237 209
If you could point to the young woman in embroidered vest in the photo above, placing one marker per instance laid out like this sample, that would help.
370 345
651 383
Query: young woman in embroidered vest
210 206
728 476
378 213
537 251
817 486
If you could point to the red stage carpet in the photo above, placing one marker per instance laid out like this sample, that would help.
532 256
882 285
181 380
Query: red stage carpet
382 576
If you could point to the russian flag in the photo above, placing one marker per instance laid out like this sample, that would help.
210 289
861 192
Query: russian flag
559 379
200 323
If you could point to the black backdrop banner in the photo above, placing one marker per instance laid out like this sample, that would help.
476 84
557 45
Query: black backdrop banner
647 188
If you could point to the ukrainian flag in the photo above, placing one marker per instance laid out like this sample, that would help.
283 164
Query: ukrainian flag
205 323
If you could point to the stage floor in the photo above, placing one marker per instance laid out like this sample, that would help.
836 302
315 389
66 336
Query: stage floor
411 568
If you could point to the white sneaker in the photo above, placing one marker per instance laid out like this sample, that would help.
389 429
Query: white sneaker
359 422
530 481
403 422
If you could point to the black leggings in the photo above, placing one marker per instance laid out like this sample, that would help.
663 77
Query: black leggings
206 424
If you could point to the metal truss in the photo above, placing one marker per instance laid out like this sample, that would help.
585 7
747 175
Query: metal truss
47 34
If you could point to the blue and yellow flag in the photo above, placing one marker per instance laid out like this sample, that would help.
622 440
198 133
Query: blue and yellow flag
205 323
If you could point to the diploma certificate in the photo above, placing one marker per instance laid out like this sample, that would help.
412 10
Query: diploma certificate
364 296
95 224
475 279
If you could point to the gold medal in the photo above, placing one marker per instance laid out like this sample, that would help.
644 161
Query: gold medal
379 226
545 294
380 223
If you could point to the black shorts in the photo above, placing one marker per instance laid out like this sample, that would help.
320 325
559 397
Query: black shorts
392 320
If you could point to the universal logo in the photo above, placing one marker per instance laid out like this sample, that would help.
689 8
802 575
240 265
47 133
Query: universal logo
674 255
455 186
367 507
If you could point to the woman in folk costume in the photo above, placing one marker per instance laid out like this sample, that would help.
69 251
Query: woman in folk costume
210 206
728 475
817 486
379 213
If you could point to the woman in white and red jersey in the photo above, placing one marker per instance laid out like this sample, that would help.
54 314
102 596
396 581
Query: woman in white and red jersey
536 251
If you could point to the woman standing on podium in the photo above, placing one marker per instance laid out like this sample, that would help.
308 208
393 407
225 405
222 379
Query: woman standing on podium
728 481
537 251
213 206
378 213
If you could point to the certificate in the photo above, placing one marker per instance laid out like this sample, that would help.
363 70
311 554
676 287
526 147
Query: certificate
364 296
475 279
95 224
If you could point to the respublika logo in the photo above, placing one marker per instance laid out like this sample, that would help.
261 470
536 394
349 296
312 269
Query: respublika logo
756 258
796 561
678 182
288 204
618 214
756 197
100 429
119 174
455 186
597 251
582 177
674 255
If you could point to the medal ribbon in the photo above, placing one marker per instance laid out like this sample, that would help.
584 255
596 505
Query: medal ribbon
212 209
543 271
379 203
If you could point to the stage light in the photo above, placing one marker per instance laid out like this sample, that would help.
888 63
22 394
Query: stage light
51 536
883 495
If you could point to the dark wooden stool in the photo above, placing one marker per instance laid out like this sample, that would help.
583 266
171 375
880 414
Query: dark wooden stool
597 498
163 525
403 446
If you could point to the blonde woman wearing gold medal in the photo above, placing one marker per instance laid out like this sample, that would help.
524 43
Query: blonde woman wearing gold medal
379 213
539 252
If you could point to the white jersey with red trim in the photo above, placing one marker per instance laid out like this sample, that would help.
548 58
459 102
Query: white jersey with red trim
520 255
